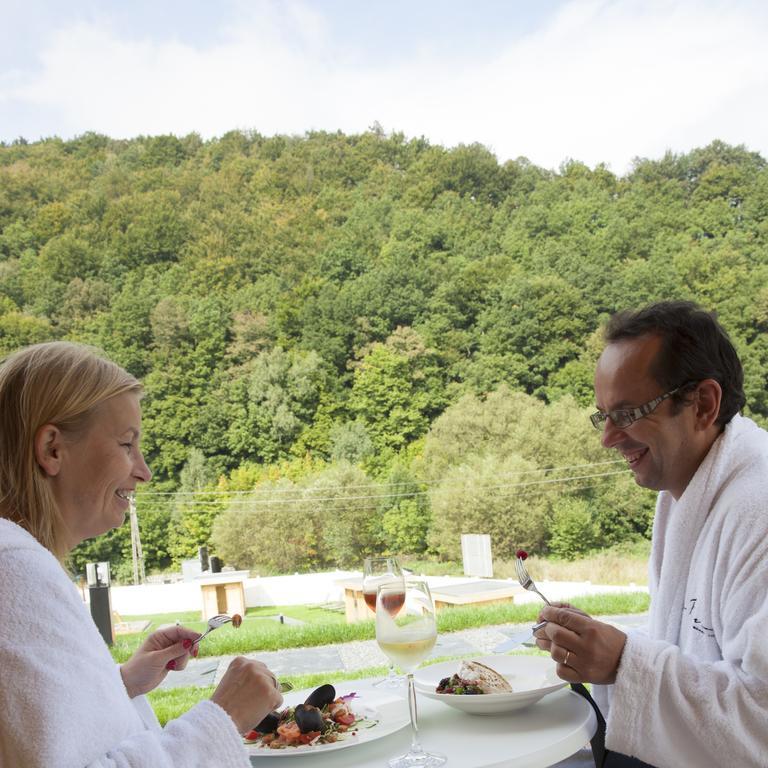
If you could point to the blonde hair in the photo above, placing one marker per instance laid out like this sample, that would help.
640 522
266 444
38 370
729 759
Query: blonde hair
57 383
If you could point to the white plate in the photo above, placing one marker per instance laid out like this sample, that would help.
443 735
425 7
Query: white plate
390 712
531 677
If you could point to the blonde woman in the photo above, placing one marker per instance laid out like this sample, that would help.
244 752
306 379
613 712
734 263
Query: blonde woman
70 424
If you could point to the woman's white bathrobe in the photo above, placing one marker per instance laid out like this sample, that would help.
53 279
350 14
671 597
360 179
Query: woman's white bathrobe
694 692
62 700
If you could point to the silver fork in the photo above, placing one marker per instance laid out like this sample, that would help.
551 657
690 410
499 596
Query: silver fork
219 620
526 582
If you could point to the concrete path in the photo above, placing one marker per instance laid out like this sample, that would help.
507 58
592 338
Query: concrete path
360 654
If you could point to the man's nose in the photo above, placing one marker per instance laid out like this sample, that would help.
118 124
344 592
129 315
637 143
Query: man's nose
611 434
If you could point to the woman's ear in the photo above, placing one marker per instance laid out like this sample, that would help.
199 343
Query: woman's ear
48 442
707 404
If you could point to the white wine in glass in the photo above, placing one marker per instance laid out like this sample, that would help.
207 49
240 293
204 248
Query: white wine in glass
407 637
377 572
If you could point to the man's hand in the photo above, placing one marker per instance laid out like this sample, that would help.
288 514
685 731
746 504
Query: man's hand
586 651
163 650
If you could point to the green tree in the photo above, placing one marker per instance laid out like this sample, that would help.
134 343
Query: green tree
397 389
194 508
573 532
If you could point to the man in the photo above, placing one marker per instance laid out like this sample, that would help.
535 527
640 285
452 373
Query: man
694 691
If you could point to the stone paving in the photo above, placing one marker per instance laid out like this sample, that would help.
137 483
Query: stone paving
360 654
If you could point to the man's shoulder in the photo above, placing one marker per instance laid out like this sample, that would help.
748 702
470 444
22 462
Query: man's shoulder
747 446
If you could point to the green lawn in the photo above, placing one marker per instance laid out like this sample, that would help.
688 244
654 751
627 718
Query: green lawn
176 701
173 702
324 627
258 633
625 563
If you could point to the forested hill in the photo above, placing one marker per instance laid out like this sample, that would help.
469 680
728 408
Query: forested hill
339 311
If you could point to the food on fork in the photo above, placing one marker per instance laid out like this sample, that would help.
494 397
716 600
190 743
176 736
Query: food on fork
522 554
474 678
237 620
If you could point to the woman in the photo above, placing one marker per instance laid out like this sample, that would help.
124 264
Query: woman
70 423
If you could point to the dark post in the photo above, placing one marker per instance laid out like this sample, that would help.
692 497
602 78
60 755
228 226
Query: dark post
202 553
97 575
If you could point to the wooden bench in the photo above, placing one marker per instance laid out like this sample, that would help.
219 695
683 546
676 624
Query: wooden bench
483 591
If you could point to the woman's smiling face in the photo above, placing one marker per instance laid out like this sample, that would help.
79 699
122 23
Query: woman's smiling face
99 468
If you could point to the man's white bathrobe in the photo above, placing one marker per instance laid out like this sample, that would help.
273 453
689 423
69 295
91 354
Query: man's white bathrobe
694 691
62 699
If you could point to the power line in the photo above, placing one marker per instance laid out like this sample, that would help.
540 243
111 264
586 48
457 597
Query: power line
309 498
269 492
243 506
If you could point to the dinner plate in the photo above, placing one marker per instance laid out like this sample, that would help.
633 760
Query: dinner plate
389 713
531 677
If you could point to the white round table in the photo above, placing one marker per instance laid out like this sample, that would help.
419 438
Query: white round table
549 731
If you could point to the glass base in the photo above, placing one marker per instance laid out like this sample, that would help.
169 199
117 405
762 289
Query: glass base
390 681
418 760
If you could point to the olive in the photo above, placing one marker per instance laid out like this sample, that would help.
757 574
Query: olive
308 718
269 723
321 696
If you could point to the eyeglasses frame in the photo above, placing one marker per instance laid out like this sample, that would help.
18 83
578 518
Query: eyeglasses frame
598 418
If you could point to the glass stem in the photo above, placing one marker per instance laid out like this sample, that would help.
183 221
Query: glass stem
415 746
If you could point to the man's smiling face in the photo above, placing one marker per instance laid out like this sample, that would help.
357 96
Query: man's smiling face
658 447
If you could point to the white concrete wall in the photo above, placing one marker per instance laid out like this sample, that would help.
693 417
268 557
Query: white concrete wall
300 589
304 589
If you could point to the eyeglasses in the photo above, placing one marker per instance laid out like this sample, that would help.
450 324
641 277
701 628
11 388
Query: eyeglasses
625 417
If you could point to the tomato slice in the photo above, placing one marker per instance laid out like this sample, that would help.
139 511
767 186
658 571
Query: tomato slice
252 736
345 719
305 738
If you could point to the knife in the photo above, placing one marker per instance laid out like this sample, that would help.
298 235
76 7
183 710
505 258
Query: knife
518 639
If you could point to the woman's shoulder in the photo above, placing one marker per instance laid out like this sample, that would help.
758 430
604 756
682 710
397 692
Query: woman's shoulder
29 569
18 544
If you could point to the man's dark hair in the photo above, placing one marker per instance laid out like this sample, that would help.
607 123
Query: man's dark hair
694 347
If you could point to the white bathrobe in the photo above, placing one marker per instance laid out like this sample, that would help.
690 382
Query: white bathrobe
62 700
694 691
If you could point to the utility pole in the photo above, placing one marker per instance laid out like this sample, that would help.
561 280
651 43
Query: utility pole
136 553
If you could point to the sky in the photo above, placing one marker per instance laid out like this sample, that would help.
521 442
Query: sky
597 81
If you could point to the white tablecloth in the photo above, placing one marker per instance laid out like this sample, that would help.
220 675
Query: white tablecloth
549 731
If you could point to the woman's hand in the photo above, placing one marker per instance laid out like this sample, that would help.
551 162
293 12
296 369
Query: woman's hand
247 693
163 650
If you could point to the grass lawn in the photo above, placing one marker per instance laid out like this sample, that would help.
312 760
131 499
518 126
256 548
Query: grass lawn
622 564
324 627
260 625
174 702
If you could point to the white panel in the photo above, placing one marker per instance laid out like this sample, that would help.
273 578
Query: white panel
476 554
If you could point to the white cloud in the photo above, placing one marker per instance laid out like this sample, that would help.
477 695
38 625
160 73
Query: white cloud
602 81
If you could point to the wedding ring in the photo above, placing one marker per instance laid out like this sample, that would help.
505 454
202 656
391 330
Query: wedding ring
565 660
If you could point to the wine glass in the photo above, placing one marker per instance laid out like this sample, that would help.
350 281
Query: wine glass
378 571
407 635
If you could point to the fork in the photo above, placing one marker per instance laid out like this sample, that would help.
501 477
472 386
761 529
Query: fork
526 582
219 620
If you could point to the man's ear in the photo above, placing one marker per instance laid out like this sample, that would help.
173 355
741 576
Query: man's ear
707 403
48 443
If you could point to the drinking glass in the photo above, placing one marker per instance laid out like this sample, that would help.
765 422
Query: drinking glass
407 636
378 571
